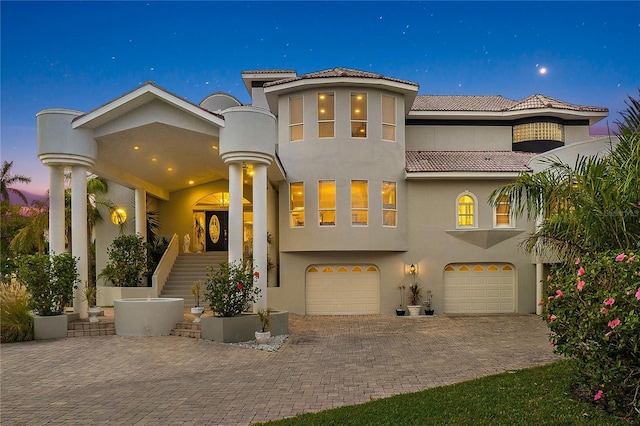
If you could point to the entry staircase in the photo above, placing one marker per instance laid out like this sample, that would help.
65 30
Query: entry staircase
187 269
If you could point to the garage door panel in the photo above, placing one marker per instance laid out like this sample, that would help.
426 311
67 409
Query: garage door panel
343 290
479 288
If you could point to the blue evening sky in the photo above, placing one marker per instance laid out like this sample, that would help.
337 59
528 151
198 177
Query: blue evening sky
80 55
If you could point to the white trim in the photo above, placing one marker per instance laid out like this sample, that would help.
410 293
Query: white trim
512 219
335 204
395 183
383 123
301 123
365 121
351 208
304 207
333 121
135 99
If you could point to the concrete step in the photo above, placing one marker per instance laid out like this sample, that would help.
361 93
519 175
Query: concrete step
187 329
83 328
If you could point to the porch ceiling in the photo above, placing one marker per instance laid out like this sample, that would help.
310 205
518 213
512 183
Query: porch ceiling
166 159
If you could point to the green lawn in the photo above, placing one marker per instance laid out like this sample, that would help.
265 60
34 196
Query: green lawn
536 396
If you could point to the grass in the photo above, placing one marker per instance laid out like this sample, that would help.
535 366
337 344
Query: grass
535 396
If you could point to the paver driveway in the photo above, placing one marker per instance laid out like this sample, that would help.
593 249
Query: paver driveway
326 362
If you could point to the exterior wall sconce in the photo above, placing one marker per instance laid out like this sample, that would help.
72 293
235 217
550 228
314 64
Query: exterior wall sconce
411 269
119 216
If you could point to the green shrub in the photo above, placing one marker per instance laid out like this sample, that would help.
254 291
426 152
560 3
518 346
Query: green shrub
230 289
593 312
50 279
127 261
16 321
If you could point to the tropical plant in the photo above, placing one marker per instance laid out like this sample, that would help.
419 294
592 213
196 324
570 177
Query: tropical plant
90 292
593 313
230 288
16 321
31 237
265 318
196 290
415 294
593 205
50 280
7 179
127 261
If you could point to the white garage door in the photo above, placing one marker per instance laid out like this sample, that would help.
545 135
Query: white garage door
479 288
343 290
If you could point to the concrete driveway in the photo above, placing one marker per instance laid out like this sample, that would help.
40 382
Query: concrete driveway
326 362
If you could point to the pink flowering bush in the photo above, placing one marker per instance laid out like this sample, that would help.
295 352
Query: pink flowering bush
593 312
230 288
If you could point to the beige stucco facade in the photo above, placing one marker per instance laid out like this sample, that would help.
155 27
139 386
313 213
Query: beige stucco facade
185 160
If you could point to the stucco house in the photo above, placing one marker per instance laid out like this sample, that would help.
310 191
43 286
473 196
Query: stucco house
336 181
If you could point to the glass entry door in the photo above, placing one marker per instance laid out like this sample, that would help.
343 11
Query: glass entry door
217 230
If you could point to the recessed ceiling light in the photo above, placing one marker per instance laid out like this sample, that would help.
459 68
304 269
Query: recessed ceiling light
214 147
170 169
154 159
191 182
136 147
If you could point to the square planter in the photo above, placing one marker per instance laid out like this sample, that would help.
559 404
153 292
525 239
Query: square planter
50 327
241 328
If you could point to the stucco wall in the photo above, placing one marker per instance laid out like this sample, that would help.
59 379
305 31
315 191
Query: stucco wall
459 138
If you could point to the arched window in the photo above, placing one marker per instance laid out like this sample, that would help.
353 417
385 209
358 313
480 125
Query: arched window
466 211
502 217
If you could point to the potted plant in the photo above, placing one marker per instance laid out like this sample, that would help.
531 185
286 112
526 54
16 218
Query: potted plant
400 311
263 336
414 299
90 293
427 304
197 310
50 279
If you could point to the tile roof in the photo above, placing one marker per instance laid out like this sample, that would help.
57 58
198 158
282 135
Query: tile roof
268 71
461 103
467 161
340 72
493 103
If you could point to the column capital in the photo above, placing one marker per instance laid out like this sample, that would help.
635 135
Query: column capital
246 157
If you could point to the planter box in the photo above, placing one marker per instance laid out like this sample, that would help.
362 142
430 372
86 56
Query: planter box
49 327
241 328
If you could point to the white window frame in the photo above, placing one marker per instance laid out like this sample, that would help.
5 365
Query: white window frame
352 209
395 209
365 121
320 209
291 211
512 220
333 120
475 211
395 118
301 123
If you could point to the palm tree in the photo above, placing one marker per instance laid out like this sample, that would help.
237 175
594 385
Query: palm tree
591 206
7 179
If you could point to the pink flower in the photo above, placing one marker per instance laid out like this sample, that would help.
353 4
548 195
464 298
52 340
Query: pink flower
598 395
631 259
604 310
610 301
580 285
638 294
577 261
620 257
606 336
548 277
541 303
550 318
559 293
613 323
581 271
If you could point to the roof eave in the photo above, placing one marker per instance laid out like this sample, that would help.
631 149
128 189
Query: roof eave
455 175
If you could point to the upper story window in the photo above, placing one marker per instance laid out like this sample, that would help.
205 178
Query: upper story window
296 127
466 210
502 217
326 115
358 115
388 118
359 203
296 204
389 206
327 203
542 131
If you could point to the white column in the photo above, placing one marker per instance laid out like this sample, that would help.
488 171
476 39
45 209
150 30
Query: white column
56 210
260 232
79 242
141 212
236 219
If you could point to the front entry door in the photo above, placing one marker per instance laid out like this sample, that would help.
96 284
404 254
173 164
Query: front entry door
217 229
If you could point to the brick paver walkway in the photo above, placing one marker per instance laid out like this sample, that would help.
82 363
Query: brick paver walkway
326 362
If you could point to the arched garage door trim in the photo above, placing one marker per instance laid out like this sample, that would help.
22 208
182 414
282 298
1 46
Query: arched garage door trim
342 289
480 288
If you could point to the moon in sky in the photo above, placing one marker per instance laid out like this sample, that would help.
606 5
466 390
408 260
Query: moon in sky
542 70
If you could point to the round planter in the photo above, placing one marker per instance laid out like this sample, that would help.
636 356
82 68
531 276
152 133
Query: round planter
400 312
197 311
93 314
414 310
263 337
428 312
